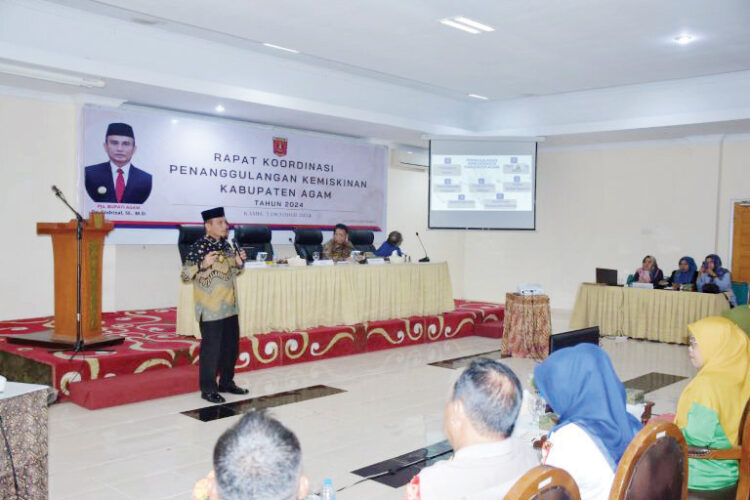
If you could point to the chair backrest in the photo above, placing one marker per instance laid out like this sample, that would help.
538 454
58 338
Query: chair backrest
743 440
307 241
741 290
654 466
362 240
544 482
187 236
254 239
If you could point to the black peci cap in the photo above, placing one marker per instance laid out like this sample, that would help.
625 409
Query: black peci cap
212 213
120 129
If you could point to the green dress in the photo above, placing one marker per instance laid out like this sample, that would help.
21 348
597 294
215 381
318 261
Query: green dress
704 430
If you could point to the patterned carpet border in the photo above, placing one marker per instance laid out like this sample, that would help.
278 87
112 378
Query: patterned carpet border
151 343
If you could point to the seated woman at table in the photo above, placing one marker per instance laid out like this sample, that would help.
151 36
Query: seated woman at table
392 244
649 272
685 275
712 278
710 407
581 386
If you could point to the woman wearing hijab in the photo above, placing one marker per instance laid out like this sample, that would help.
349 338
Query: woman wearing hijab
649 272
581 386
710 407
712 278
392 244
685 275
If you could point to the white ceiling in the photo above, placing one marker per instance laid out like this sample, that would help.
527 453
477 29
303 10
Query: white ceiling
539 47
586 71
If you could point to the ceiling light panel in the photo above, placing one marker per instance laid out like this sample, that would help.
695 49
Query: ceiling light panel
458 26
468 25
474 24
684 38
279 47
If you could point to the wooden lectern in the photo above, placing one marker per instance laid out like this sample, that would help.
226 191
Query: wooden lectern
65 249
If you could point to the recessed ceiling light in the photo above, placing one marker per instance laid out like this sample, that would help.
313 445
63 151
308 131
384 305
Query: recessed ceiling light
684 38
477 96
473 23
462 27
219 108
279 47
410 152
175 121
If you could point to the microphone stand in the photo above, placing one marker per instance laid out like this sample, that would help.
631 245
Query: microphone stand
425 258
78 346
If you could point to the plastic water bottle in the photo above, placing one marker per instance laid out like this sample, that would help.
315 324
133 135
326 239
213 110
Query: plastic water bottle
328 493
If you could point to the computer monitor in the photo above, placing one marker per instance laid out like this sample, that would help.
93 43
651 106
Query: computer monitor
606 276
569 339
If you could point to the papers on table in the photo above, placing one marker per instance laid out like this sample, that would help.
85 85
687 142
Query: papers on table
255 264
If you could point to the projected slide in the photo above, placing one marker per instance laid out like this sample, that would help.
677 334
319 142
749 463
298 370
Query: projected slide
482 182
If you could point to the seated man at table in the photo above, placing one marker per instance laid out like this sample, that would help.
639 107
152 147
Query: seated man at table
479 419
339 247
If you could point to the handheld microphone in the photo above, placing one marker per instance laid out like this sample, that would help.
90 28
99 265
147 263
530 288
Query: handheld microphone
425 258
237 248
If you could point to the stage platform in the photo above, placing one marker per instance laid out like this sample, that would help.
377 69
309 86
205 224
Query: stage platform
154 361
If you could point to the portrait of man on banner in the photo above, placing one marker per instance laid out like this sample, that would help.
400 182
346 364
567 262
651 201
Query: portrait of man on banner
118 180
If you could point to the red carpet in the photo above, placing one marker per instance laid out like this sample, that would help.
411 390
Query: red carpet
151 347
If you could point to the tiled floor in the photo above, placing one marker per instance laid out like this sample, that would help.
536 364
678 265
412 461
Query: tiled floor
391 404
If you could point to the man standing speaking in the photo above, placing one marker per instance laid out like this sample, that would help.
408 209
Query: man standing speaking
212 265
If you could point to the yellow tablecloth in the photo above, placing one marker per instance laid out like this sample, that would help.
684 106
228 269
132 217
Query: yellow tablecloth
661 315
297 298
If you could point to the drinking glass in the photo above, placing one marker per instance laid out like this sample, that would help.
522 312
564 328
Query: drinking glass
316 256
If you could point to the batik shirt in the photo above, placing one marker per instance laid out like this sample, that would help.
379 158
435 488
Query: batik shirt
213 287
337 252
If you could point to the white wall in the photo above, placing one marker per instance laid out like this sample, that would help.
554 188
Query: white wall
735 186
37 149
602 207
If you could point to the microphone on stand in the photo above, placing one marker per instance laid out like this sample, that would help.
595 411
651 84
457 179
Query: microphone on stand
56 190
425 258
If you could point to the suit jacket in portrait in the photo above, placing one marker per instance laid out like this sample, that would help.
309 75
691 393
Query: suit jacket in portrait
137 187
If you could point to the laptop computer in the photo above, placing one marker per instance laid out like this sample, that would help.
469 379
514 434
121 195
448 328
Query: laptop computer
606 276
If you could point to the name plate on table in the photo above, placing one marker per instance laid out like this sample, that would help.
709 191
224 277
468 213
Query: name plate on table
326 262
648 286
254 264
375 261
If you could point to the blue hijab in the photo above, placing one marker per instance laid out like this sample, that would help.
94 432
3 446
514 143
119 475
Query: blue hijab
720 271
581 386
685 277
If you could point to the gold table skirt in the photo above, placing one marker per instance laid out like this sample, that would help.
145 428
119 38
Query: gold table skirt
298 298
661 315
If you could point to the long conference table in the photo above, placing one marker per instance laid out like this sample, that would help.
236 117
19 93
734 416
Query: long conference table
283 298
641 313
